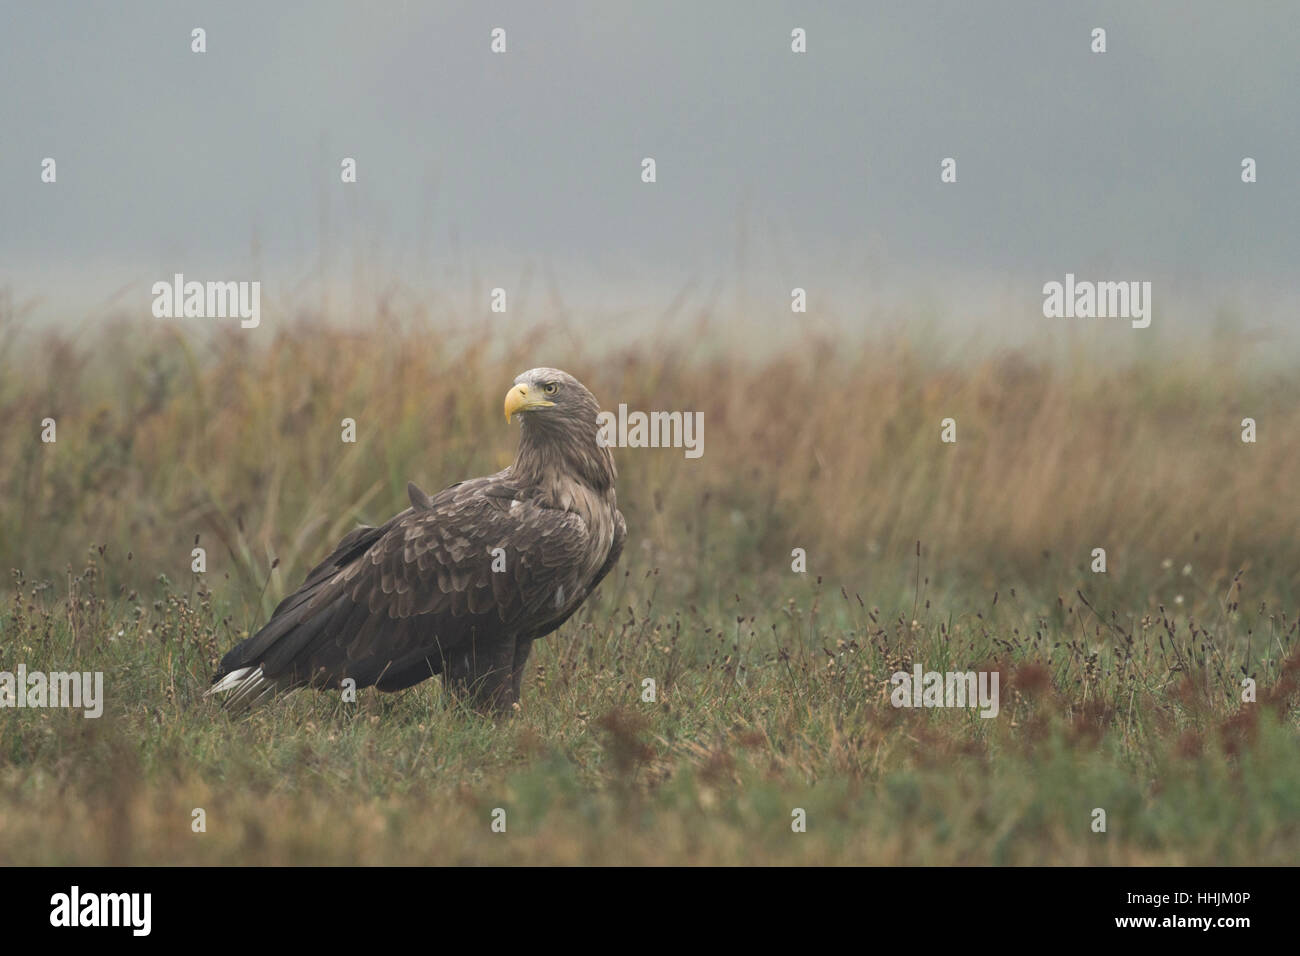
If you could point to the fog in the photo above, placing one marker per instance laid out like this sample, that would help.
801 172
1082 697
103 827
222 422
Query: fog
773 169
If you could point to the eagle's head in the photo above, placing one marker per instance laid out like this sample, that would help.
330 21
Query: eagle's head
560 421
548 397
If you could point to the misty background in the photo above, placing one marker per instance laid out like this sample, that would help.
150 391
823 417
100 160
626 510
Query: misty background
775 170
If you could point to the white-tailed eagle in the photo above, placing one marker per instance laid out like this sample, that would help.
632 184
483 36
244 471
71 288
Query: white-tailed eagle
462 582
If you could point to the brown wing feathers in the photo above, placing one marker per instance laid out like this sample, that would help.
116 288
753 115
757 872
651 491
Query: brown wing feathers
420 586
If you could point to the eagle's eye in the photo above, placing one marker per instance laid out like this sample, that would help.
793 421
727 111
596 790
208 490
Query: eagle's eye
550 388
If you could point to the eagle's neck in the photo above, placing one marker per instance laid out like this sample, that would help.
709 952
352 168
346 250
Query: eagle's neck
555 455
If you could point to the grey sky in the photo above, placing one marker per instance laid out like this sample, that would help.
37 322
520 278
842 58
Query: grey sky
1124 164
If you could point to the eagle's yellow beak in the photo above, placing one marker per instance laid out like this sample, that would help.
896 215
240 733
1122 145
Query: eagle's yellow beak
518 399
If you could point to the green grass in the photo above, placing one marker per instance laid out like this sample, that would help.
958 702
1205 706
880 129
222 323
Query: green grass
753 718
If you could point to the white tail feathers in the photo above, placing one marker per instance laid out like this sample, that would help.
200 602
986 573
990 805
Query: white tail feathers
246 686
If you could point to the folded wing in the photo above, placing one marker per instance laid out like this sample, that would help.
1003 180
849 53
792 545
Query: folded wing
473 563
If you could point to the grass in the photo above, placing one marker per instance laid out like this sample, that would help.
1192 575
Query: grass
1120 691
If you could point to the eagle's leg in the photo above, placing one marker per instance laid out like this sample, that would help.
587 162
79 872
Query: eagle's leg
481 673
523 648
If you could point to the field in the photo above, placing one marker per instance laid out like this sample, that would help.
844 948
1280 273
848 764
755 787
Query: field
1120 691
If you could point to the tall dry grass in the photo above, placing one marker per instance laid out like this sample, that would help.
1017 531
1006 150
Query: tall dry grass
167 432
